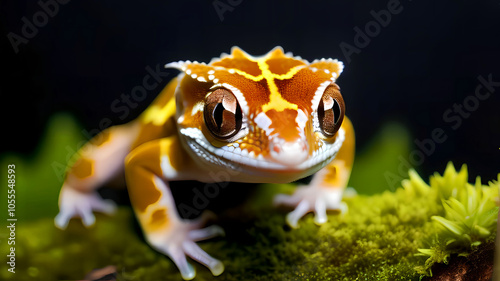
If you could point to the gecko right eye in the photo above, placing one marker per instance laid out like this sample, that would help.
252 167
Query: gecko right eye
222 114
331 111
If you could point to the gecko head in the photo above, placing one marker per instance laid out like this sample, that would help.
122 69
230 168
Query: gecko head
276 113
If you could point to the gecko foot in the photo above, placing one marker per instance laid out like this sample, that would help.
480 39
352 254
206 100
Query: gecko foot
73 203
180 240
315 199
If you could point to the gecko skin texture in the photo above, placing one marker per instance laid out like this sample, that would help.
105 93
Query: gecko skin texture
275 118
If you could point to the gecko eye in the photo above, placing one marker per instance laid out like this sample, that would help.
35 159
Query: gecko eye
222 114
331 111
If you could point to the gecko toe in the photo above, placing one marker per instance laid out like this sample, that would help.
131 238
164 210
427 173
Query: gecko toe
285 199
186 269
217 268
108 207
196 253
62 219
320 211
293 217
88 218
206 233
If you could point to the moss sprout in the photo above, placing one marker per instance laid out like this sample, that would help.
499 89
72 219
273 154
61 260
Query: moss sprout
469 219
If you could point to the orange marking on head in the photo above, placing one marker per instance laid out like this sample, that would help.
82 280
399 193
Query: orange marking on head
282 66
83 168
241 61
284 124
301 88
275 82
277 52
243 64
238 53
193 92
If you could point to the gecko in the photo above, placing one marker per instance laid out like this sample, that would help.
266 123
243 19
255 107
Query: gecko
274 118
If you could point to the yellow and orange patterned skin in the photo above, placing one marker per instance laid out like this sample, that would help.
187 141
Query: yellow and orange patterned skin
275 119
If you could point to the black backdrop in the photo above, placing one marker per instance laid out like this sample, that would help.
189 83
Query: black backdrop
81 56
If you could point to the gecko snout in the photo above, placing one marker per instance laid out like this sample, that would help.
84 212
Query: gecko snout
289 153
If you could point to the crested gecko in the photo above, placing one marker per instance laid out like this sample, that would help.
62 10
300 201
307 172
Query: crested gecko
275 118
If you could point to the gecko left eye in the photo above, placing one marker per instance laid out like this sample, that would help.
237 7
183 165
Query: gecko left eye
331 111
222 114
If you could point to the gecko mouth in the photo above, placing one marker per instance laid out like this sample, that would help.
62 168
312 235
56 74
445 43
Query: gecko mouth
240 160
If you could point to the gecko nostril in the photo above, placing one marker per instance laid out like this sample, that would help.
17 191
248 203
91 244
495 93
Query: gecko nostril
289 153
276 148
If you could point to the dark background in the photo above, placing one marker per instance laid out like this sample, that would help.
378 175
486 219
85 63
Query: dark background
427 59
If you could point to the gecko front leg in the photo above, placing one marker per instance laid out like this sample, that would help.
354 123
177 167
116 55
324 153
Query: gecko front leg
148 169
101 159
326 188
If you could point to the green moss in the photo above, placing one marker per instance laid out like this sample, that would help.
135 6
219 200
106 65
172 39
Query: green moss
375 242
359 244
379 238
469 218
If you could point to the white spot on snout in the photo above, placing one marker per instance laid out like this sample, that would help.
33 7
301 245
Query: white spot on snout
264 122
301 119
